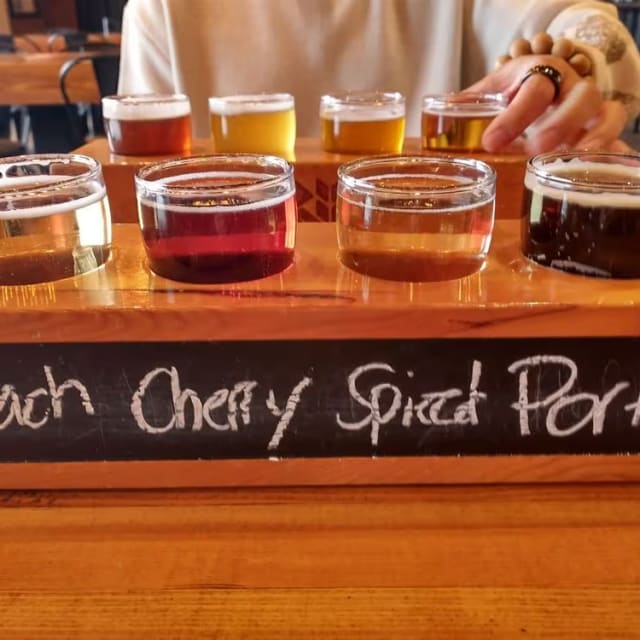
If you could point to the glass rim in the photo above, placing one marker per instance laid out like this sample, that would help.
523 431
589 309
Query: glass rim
94 172
240 99
536 163
363 187
250 159
464 100
364 99
146 98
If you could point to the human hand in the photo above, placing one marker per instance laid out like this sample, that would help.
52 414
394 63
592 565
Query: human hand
578 118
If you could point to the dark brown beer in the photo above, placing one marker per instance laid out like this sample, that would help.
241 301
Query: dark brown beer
592 232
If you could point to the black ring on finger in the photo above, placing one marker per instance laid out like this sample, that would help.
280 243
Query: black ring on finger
548 72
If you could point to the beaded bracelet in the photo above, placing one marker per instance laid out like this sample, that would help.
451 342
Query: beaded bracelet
543 44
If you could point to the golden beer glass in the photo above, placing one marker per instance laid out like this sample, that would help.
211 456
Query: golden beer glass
458 120
149 124
362 122
262 123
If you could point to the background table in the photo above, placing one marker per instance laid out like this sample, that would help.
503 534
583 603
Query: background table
32 79
392 563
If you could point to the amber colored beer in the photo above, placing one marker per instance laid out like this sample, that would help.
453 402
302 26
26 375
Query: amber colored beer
458 121
148 124
592 232
254 124
367 122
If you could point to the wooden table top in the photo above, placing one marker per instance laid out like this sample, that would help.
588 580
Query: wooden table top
319 298
42 42
32 79
390 563
520 561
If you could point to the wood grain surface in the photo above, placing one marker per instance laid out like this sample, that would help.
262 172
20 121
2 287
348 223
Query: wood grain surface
315 171
318 298
42 42
32 79
458 562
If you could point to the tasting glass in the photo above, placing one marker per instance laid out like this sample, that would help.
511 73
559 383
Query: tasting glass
148 124
581 213
457 121
415 218
362 122
220 218
261 123
54 218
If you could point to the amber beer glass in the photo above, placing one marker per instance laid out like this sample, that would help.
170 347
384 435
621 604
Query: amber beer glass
457 120
415 218
581 213
362 122
219 218
263 123
144 125
54 218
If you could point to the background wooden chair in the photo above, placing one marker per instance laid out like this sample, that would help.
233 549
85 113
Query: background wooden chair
106 67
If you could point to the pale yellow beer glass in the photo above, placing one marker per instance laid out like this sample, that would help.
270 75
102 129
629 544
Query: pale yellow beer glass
262 123
458 120
362 122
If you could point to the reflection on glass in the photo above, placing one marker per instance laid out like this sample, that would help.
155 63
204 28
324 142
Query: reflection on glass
218 219
457 121
414 218
54 218
362 122
581 213
144 125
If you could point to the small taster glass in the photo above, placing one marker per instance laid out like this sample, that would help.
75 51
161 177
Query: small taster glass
581 213
145 125
54 218
262 123
362 122
220 218
458 120
415 218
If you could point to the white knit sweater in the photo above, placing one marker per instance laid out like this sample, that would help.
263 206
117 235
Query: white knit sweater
310 47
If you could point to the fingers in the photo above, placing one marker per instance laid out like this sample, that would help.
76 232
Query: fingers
579 118
529 103
568 119
606 128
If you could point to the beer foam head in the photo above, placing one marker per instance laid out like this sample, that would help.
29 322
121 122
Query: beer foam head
421 193
362 106
217 192
468 105
354 113
588 183
477 111
145 107
39 196
258 103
